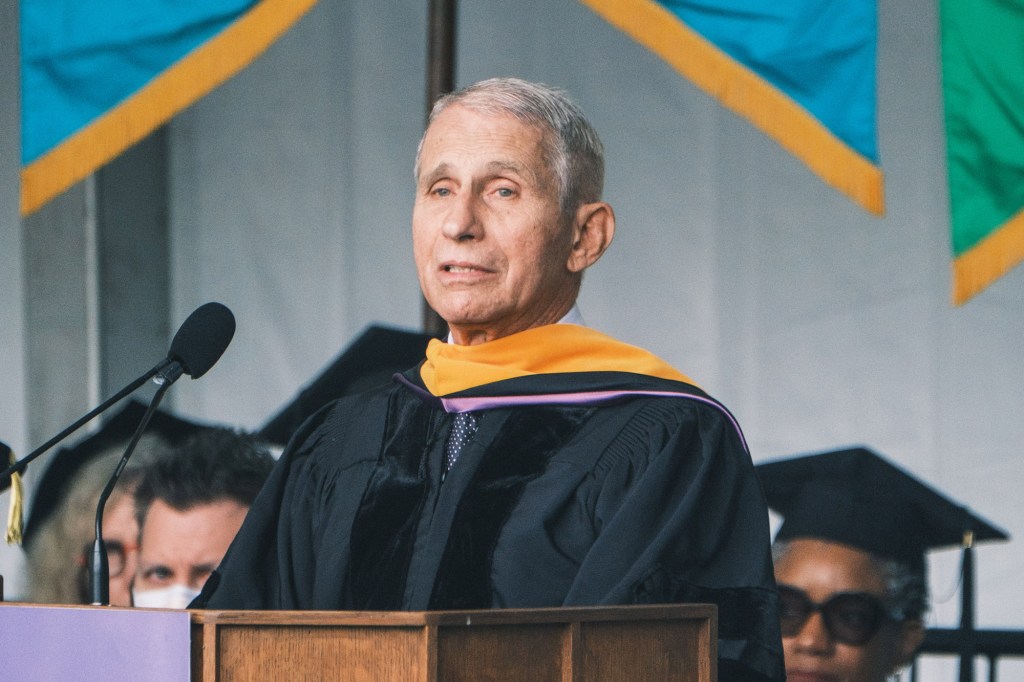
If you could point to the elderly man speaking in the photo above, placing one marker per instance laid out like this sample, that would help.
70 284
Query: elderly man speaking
529 461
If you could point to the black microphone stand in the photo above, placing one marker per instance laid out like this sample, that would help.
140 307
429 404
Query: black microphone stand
23 462
99 568
196 346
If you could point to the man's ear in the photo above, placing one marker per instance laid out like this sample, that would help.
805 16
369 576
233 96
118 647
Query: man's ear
592 232
911 636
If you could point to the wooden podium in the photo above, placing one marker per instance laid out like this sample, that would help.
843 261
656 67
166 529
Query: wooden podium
596 644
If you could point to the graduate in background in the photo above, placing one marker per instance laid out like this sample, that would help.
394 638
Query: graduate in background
850 561
530 461
189 504
60 526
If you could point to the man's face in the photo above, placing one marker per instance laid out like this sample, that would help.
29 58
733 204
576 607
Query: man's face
181 548
490 244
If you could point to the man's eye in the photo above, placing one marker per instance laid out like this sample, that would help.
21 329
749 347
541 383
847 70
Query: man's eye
158 573
506 192
442 191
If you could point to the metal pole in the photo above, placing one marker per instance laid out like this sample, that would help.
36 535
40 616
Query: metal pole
968 645
440 80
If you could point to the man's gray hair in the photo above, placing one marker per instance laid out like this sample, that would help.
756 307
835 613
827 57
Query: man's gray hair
572 148
906 589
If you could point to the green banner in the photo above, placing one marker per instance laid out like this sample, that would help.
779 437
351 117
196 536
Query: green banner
983 89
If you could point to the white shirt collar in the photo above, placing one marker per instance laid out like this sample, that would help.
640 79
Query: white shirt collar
574 316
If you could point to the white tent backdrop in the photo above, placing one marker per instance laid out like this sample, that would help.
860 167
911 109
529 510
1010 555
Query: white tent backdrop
819 325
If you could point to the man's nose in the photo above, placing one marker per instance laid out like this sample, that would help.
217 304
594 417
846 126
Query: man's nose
462 221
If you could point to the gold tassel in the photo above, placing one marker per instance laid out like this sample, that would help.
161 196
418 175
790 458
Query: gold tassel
15 518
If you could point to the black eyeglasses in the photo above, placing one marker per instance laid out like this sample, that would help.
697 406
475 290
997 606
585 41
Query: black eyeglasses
117 553
849 617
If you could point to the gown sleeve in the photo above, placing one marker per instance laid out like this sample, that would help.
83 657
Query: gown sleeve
274 546
681 518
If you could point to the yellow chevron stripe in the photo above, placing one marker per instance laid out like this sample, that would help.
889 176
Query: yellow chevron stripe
180 85
747 94
989 259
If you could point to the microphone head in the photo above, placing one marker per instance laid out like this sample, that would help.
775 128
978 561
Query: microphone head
203 338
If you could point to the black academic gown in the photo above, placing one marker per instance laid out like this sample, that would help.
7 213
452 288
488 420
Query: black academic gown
614 488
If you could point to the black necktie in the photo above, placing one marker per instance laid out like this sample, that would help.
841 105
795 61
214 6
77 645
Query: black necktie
463 428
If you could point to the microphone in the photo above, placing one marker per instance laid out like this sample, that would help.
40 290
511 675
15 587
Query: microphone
199 342
197 346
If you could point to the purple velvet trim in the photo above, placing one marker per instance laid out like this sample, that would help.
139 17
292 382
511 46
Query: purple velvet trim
424 394
452 405
55 643
584 398
580 398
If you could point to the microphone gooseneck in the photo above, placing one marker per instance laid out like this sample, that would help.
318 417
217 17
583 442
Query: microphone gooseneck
99 568
199 343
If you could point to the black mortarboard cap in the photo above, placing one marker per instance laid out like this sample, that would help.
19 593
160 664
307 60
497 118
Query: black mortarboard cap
60 473
857 498
368 361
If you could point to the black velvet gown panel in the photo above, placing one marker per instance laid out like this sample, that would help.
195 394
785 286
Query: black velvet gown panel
644 499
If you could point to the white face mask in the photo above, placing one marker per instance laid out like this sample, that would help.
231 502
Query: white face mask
170 597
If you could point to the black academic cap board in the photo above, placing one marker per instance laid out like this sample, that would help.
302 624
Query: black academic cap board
370 360
60 473
5 459
858 498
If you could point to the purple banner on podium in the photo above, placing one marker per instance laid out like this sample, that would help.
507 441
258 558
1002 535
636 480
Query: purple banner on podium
45 643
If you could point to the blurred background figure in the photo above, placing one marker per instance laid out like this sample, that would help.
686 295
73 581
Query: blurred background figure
190 504
57 557
59 528
850 561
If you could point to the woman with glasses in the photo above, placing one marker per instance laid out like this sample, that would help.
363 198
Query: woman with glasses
850 562
58 554
846 614
60 528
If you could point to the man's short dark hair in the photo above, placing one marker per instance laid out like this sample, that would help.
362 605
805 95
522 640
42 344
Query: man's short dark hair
215 464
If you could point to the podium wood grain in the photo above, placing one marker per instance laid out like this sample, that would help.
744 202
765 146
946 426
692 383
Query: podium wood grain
593 644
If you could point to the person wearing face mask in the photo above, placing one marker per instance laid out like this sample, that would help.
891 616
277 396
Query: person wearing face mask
190 504
60 525
850 561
